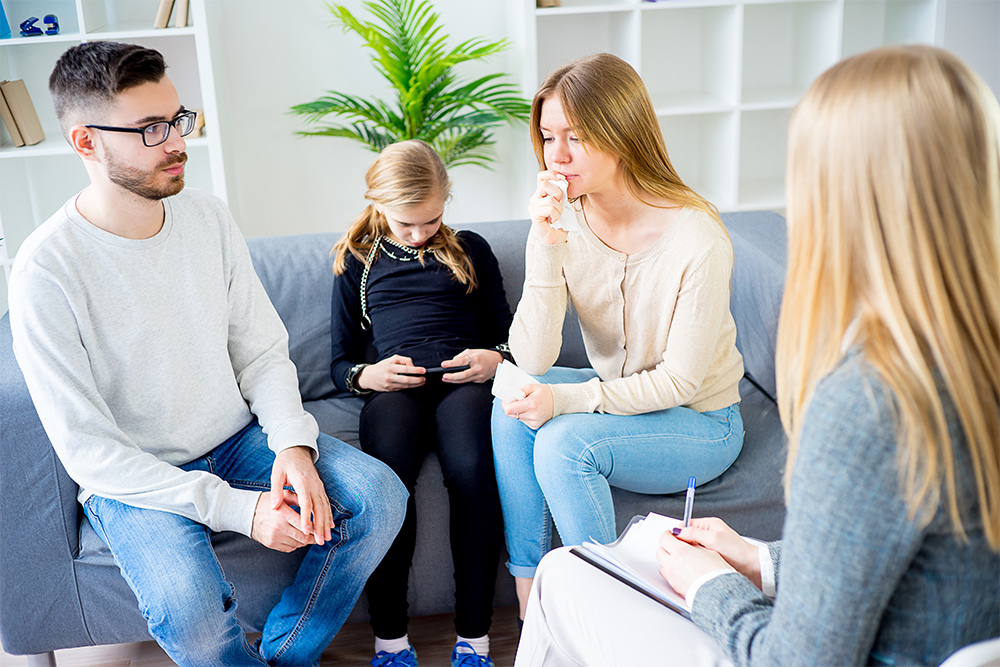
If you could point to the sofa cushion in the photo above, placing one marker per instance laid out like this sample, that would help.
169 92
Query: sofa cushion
297 274
757 284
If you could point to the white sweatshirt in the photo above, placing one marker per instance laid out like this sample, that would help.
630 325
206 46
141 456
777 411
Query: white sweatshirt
141 355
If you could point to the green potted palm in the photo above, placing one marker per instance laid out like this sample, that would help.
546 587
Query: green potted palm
431 103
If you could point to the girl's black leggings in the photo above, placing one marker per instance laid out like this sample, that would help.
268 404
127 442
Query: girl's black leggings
399 428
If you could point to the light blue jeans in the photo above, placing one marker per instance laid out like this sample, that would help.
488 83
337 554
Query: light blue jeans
568 466
190 606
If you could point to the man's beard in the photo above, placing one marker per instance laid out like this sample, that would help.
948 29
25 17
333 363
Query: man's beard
141 183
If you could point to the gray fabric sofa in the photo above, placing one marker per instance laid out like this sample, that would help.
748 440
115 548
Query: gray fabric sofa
59 587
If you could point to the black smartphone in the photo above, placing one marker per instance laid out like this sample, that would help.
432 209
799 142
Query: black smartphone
438 370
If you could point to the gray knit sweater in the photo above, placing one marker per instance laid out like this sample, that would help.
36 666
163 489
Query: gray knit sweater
859 581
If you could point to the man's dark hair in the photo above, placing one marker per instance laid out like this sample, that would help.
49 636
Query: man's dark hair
90 75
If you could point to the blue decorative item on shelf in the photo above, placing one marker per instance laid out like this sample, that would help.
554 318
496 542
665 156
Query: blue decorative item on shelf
4 26
28 27
51 24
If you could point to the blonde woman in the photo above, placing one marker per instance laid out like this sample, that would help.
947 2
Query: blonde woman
648 274
431 302
889 387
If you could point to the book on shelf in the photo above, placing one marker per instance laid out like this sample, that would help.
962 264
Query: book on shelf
15 94
199 124
163 13
181 15
8 121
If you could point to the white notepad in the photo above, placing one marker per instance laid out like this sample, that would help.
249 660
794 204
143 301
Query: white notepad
508 381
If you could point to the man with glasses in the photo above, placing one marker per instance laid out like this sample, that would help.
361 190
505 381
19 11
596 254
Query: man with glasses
160 372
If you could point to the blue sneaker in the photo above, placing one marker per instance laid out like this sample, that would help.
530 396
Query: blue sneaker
405 658
469 659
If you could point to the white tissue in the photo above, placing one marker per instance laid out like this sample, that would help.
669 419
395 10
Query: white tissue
508 381
567 219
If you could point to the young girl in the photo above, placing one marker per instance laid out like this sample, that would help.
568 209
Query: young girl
424 296
888 369
648 274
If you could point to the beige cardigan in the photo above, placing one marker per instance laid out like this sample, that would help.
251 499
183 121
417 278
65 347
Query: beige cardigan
656 324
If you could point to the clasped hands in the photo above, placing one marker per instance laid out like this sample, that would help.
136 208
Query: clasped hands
276 524
704 546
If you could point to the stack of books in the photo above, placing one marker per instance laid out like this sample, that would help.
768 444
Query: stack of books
18 114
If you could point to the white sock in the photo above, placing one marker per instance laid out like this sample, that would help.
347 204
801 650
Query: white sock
392 645
480 645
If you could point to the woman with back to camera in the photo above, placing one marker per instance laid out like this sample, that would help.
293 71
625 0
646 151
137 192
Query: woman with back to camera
888 368
648 274
424 296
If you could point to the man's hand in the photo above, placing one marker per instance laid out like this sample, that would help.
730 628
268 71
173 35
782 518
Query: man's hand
275 528
276 524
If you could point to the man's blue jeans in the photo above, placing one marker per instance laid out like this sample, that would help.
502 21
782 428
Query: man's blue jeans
190 606
568 466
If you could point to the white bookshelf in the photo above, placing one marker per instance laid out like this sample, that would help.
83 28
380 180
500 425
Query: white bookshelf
724 75
36 180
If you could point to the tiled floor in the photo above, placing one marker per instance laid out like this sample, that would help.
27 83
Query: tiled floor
432 636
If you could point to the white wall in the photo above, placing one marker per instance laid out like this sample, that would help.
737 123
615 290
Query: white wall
272 54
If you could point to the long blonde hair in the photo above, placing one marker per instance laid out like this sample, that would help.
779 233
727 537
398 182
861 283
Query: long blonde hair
607 105
893 185
405 174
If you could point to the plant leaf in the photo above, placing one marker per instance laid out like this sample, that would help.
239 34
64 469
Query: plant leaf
408 48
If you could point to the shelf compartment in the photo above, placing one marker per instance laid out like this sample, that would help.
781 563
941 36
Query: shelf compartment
19 10
706 41
34 65
565 37
575 6
785 47
702 149
123 15
763 140
872 23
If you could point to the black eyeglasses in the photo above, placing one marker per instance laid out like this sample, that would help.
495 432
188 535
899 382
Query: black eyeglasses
156 133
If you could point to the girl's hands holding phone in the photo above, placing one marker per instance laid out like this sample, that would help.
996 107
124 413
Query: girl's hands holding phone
545 207
389 375
482 366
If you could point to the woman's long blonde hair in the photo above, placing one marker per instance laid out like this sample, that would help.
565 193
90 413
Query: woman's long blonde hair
893 184
607 105
406 174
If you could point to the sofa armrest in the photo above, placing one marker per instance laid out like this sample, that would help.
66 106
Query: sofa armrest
39 524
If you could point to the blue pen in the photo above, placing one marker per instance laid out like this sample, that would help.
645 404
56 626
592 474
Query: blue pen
689 502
